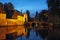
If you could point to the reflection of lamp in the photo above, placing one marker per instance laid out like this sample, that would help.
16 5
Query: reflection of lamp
6 23
45 15
41 26
36 24
51 24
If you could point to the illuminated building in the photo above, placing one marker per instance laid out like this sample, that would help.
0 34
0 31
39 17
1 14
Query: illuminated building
17 19
22 19
2 19
12 22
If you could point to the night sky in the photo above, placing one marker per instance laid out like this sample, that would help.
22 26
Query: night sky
31 5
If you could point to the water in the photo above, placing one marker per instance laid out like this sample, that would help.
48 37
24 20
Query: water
32 36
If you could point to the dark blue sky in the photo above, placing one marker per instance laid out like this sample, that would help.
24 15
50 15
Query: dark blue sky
31 5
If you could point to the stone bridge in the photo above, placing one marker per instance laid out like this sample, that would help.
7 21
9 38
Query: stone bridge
39 27
40 22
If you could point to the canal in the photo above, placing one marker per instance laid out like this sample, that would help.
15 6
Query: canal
22 33
32 36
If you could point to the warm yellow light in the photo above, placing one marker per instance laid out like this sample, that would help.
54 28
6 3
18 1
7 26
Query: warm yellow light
25 17
45 15
2 16
2 19
20 18
12 22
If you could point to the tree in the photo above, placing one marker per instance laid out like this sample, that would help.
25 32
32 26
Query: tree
54 12
54 6
5 7
42 16
37 16
9 9
10 6
36 13
1 7
28 13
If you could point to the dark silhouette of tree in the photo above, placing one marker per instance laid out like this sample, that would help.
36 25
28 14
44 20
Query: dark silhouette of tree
36 13
54 11
37 16
54 6
42 16
10 6
28 13
1 7
9 9
5 7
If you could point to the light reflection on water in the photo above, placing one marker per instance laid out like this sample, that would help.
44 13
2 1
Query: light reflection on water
32 36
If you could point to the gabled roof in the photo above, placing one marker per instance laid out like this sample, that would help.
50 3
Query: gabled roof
16 13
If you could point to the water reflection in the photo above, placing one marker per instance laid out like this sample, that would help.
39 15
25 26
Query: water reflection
25 33
32 36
